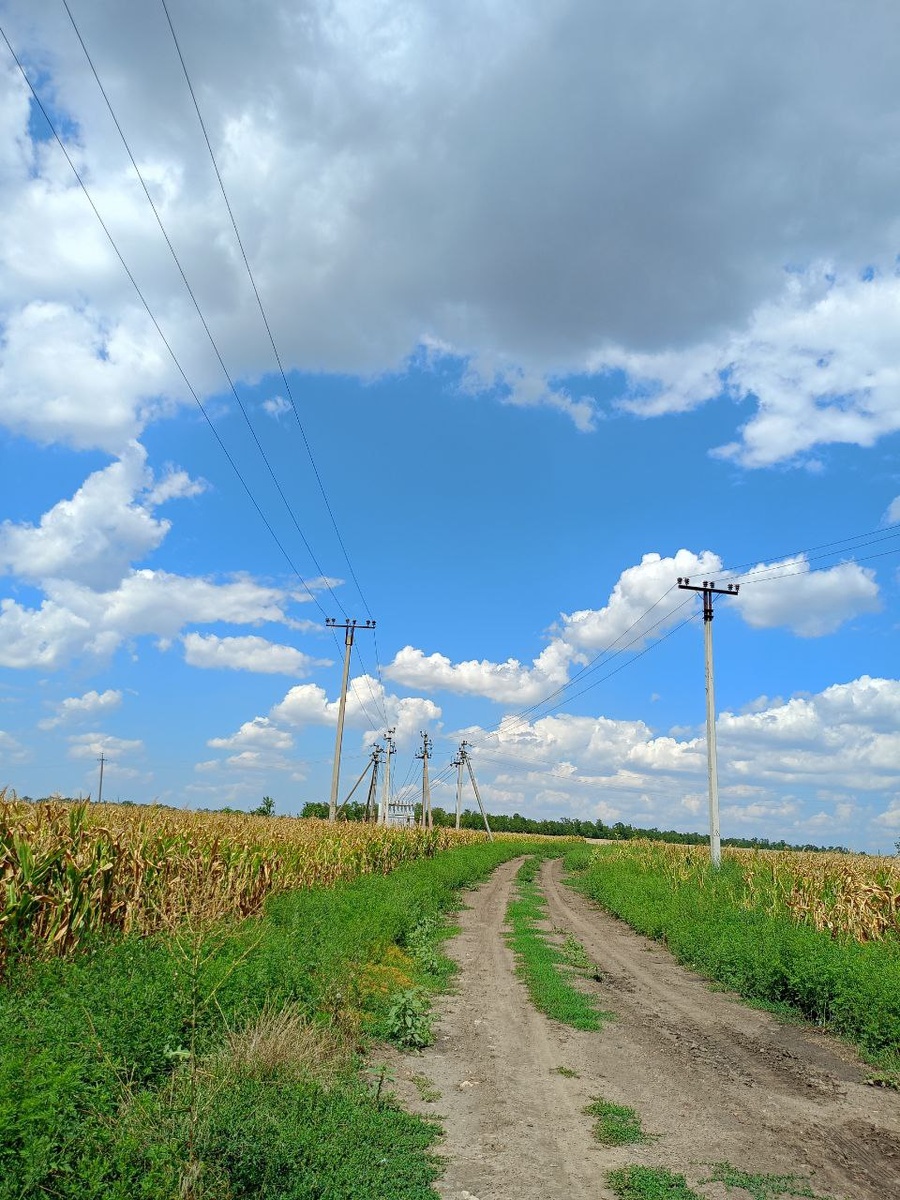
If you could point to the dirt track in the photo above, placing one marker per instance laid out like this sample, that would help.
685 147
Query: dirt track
713 1079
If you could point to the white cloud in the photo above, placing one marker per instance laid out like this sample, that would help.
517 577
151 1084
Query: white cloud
12 751
463 195
93 538
810 603
643 605
820 364
892 516
507 682
255 735
773 762
77 622
308 704
247 654
92 745
276 406
76 708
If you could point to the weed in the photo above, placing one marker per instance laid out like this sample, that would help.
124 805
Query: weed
762 1187
649 1183
616 1125
426 1089
539 963
575 955
566 1072
409 1019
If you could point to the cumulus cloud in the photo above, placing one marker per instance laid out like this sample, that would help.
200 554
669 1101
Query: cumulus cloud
809 603
92 745
93 538
508 682
308 704
12 750
495 181
644 604
75 621
257 734
247 654
76 708
774 763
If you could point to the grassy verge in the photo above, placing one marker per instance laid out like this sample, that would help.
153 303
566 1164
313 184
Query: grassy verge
852 988
546 969
224 1062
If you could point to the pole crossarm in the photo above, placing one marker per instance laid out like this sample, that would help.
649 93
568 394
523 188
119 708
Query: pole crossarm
709 590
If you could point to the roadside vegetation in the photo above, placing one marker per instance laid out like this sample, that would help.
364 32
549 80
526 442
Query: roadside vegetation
224 1059
817 935
72 870
546 969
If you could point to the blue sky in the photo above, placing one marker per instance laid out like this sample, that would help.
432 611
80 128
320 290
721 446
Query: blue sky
546 362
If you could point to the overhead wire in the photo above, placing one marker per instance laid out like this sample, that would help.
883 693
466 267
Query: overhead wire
268 327
205 325
138 291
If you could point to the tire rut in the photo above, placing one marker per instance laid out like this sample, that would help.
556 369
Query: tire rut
798 1099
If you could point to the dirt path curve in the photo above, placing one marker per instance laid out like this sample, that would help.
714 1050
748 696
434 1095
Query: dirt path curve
713 1079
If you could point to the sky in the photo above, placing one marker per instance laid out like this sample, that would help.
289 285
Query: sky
486 321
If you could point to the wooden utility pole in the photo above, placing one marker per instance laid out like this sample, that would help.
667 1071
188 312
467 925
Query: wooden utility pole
101 760
425 754
708 590
349 628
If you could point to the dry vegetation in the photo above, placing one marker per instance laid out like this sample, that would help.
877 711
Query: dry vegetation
846 895
69 870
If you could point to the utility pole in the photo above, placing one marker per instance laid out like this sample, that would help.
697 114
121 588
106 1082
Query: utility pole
390 750
101 760
349 628
458 762
708 589
425 754
371 802
464 758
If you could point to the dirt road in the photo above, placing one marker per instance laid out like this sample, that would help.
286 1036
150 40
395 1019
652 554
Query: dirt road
712 1079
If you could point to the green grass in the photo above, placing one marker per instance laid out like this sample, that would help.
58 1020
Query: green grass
616 1125
113 1082
762 1187
566 1072
649 1183
850 988
541 965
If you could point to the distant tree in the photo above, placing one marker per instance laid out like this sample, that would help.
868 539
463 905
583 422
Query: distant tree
266 809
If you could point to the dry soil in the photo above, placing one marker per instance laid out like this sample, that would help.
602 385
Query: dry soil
711 1078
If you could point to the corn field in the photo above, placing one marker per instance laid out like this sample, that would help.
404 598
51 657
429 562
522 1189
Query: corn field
853 896
70 870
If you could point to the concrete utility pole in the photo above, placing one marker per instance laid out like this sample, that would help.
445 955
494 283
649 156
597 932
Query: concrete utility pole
464 758
425 754
708 590
101 760
349 628
390 750
458 762
371 802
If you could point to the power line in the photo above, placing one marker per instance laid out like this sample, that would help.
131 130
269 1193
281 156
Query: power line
261 307
155 322
268 327
200 315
